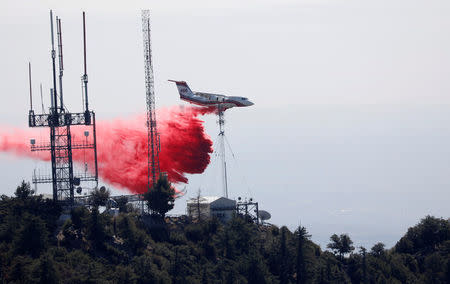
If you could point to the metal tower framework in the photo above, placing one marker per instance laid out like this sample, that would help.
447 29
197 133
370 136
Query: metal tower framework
60 121
152 135
249 209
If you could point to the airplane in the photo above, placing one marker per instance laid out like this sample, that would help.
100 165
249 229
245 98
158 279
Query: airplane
207 99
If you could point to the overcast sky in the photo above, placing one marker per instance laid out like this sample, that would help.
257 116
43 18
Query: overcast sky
350 131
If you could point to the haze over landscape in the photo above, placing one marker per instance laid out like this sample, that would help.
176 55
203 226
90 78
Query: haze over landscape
350 128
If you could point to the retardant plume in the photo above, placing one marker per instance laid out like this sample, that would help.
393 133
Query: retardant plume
122 147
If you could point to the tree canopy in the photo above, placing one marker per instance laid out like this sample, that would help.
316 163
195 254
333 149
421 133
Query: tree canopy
99 197
429 232
23 190
341 244
160 199
94 247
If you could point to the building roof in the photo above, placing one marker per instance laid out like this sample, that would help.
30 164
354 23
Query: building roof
206 199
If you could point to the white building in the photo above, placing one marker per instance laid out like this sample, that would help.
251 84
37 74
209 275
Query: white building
211 206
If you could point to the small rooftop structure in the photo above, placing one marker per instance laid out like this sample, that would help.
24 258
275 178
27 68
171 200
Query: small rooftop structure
207 207
46 196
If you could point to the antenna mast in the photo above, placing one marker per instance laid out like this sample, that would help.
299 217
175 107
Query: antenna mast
60 57
53 54
222 150
87 114
31 93
42 99
152 135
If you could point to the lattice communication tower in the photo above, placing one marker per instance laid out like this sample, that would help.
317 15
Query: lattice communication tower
153 140
60 120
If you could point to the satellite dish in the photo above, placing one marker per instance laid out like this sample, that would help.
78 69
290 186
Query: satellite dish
264 215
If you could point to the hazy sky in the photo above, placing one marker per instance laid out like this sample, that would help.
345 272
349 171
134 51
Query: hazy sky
350 131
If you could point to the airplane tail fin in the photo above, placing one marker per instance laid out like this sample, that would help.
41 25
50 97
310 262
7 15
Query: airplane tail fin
183 88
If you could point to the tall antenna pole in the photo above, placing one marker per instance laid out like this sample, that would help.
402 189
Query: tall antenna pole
42 99
54 119
87 114
55 96
29 79
152 134
85 76
60 62
31 117
222 150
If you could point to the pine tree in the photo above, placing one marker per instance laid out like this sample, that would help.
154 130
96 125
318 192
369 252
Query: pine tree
48 273
160 199
341 244
302 236
364 263
99 197
32 238
23 191
284 270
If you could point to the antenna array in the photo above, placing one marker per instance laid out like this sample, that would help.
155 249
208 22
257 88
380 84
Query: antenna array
60 121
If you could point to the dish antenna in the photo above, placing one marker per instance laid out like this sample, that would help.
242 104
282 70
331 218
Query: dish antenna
264 215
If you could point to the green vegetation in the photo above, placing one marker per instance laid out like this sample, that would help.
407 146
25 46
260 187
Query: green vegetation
94 247
341 245
160 199
99 197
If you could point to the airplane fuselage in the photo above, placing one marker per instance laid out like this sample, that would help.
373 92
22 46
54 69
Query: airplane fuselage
208 99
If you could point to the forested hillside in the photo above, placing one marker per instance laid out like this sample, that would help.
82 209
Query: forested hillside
94 247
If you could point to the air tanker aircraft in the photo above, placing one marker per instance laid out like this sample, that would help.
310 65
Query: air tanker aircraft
207 99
